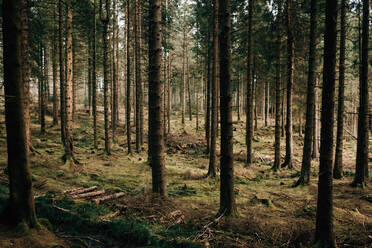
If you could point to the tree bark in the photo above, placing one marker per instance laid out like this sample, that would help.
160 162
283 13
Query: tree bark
20 210
62 72
361 170
277 91
310 100
139 94
227 198
54 65
156 141
94 77
249 111
129 109
324 235
212 170
105 18
338 166
290 71
69 87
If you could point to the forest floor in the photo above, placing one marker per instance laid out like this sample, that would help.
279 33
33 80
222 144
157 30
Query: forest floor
271 212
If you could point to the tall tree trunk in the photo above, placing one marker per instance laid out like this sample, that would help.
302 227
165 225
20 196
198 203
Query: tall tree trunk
74 81
94 77
238 98
316 131
290 71
68 157
188 80
156 141
337 170
324 235
212 170
105 18
183 85
62 73
89 76
169 105
227 199
310 100
115 81
249 114
139 94
41 86
361 170
208 97
20 210
129 109
277 91
54 65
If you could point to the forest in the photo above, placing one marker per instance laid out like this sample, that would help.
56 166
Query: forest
185 123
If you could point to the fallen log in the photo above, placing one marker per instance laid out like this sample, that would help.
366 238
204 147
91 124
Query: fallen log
90 194
109 197
80 190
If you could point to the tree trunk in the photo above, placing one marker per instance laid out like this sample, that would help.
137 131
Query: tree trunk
139 94
227 198
183 85
337 170
74 82
316 132
277 92
156 141
290 71
115 81
129 109
89 76
238 98
208 98
212 170
324 235
105 18
310 100
69 140
188 80
54 65
94 77
62 72
361 170
20 210
249 112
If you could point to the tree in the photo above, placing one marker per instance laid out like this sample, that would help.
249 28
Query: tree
290 71
310 100
139 94
105 18
156 141
128 104
337 169
361 171
249 124
277 91
68 157
54 68
20 210
62 72
324 235
212 170
94 76
227 198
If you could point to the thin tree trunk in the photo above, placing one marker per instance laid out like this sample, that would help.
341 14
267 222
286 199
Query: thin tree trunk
324 235
20 210
115 81
310 100
94 77
212 170
238 98
290 71
69 140
227 199
361 170
208 102
62 73
277 92
74 82
183 85
54 65
188 81
128 112
249 111
337 170
105 17
156 141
